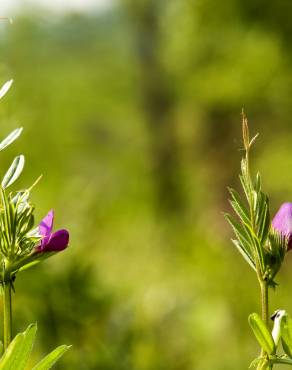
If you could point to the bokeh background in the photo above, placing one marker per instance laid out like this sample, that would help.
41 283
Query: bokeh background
131 110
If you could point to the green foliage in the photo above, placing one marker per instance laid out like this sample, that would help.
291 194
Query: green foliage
261 247
286 335
144 282
16 214
269 342
47 362
13 172
262 333
17 355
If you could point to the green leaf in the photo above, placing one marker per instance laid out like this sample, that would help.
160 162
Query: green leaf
10 138
262 213
17 354
246 242
4 89
245 179
239 207
11 353
286 335
244 254
242 233
258 182
257 247
30 260
48 361
262 334
13 172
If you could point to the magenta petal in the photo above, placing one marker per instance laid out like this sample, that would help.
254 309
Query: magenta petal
282 222
46 227
58 241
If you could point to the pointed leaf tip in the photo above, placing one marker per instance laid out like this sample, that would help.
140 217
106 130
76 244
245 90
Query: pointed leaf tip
13 172
262 333
10 138
47 362
18 352
4 89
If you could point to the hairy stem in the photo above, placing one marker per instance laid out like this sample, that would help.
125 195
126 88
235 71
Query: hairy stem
265 315
265 302
7 323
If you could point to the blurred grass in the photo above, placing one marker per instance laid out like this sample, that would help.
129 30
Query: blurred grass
146 283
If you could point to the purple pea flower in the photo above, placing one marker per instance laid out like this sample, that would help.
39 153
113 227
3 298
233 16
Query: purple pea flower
282 222
51 242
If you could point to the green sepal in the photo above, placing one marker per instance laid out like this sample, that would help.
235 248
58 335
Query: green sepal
30 260
262 333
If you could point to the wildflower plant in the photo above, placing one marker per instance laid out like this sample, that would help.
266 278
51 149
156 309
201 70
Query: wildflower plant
22 245
263 243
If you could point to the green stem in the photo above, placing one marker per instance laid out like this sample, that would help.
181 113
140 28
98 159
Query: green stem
265 302
7 314
265 315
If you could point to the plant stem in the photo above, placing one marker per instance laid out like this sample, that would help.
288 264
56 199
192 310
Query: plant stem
265 313
265 302
7 323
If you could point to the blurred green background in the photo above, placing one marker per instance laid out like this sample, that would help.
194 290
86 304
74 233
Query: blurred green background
132 114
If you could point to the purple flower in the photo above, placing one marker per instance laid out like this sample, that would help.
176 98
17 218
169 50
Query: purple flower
282 222
51 242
